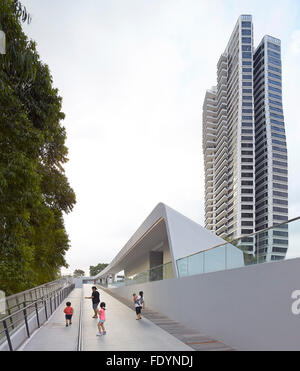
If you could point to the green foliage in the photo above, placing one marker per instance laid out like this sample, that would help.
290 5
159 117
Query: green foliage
97 269
78 273
34 191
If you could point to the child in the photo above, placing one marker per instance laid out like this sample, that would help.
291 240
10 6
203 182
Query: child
69 311
101 313
139 304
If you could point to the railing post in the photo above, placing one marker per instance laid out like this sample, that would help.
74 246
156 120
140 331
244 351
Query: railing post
9 313
37 314
7 336
46 314
26 322
50 304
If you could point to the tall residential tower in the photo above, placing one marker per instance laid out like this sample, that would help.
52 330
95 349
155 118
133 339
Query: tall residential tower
244 145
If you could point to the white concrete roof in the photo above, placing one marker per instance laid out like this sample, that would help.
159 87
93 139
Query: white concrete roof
185 237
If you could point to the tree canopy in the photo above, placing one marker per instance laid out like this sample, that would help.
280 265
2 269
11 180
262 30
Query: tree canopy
34 190
97 269
78 273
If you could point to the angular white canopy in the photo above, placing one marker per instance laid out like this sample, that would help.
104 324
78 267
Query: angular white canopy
184 237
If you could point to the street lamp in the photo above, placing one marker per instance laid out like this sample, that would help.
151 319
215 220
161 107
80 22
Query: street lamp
2 42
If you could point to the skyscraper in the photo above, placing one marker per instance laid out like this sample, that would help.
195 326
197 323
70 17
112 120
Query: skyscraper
244 145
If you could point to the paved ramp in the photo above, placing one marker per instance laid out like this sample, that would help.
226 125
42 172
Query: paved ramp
124 332
54 335
154 332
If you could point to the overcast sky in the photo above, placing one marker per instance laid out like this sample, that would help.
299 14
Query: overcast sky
133 75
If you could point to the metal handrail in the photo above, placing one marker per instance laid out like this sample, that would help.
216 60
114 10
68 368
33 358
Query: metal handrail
35 288
16 300
58 296
245 236
20 310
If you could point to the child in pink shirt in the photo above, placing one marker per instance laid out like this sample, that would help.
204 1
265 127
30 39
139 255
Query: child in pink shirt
101 313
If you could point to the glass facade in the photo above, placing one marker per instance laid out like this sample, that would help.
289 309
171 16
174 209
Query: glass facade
271 149
249 135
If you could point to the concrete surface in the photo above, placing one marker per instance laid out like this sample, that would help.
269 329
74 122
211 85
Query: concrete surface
54 335
124 332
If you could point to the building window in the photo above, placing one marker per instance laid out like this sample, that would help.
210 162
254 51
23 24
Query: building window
275 69
246 24
274 76
274 89
247 191
247 48
247 55
247 231
275 96
247 40
275 61
246 32
273 46
247 224
273 54
275 257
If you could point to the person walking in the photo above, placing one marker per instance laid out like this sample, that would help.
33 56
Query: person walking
95 300
101 321
69 311
139 304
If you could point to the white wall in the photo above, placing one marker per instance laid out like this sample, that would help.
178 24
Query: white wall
247 308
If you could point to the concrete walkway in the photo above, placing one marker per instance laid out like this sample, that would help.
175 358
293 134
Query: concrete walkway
124 332
54 335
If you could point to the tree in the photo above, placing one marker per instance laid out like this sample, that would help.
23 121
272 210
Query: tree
97 269
78 273
34 191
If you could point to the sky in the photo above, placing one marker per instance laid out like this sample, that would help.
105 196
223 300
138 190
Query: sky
133 75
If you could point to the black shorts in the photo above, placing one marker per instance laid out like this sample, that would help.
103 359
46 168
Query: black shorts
138 310
69 316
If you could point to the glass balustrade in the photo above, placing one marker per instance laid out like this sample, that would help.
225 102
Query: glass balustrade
161 272
273 244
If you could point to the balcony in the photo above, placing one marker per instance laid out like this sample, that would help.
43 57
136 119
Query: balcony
221 230
222 214
222 192
222 200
